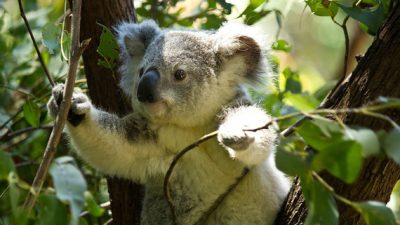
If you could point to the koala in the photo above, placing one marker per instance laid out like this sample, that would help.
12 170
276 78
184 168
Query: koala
183 84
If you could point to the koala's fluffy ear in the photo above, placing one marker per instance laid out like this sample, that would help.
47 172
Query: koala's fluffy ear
240 41
133 39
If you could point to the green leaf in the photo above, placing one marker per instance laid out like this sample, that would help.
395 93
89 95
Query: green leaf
92 205
51 36
51 211
320 133
372 17
292 81
253 17
226 6
281 45
375 213
342 159
6 165
70 185
253 4
32 113
321 204
291 163
367 138
302 102
391 145
108 48
322 7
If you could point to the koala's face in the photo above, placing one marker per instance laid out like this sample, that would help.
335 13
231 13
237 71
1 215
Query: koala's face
184 77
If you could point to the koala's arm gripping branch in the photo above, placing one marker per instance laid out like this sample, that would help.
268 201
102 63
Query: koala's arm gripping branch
115 146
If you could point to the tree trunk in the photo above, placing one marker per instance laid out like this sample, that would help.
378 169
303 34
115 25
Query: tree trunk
377 74
104 92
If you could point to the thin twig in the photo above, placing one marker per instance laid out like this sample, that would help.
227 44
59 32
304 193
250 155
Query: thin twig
76 52
21 9
25 130
167 177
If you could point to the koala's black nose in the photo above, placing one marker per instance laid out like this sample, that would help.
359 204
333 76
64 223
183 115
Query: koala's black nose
147 89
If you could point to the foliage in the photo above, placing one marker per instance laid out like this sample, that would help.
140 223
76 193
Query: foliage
74 190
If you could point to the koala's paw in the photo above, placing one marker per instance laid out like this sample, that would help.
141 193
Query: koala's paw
80 105
234 137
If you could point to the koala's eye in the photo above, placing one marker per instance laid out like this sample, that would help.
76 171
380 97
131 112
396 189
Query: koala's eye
180 75
141 72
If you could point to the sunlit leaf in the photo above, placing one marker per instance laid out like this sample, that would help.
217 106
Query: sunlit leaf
92 205
281 45
253 4
302 102
32 113
70 185
322 7
375 213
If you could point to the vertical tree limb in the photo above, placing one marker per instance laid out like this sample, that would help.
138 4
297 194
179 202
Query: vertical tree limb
125 196
76 52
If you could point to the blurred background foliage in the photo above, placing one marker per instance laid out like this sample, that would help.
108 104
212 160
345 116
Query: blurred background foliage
308 47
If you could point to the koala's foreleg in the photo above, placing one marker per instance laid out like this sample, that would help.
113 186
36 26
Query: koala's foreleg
249 147
116 146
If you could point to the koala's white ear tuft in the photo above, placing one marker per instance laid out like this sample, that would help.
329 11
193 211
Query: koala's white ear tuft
133 39
234 39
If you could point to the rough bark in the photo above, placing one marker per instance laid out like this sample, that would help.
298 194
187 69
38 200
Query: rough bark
377 74
104 91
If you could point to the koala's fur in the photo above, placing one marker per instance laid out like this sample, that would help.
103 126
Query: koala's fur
141 145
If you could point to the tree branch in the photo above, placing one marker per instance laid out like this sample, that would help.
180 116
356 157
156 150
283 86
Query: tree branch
76 52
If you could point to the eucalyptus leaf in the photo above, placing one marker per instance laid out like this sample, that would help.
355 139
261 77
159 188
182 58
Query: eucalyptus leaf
367 138
391 145
372 17
6 165
375 213
322 7
321 204
108 48
32 113
342 159
51 37
92 205
51 211
70 185
291 163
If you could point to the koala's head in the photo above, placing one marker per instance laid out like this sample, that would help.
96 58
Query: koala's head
185 77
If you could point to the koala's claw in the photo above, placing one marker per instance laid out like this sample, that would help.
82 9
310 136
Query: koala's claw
80 105
236 139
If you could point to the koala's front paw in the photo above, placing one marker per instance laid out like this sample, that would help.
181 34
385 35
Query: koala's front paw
235 137
80 105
